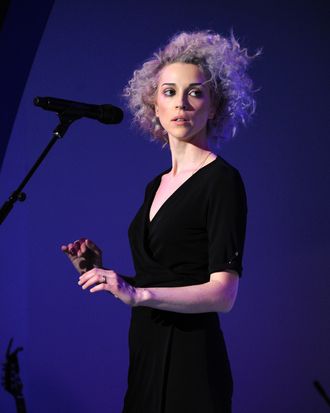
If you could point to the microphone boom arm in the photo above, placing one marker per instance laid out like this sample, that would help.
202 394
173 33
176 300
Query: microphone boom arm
66 119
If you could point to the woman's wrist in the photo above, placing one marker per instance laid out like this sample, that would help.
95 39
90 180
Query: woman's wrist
142 296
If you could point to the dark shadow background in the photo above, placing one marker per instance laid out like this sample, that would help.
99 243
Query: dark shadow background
92 183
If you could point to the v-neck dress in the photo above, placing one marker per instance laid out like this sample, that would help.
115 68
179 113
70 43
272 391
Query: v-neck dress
178 362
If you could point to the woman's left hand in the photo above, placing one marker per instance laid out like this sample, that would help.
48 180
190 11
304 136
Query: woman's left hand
108 280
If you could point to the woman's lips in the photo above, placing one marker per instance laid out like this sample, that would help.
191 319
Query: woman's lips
180 120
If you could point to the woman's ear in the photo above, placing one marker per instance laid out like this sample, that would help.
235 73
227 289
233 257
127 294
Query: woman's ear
156 110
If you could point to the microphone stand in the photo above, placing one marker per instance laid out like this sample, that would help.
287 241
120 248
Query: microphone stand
65 121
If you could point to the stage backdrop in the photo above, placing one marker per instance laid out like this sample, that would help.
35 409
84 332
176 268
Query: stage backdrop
92 183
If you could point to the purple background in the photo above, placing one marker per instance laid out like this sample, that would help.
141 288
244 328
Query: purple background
75 343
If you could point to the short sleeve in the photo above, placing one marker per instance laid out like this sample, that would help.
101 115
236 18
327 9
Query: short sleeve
226 222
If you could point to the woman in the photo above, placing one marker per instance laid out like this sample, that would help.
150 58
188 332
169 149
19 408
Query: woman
187 238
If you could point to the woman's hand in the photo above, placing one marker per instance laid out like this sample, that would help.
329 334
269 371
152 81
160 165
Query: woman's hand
83 254
108 280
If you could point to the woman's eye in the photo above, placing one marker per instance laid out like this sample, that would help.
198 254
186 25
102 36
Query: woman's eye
196 93
168 92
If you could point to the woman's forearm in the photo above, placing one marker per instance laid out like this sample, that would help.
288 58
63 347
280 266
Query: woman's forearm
213 296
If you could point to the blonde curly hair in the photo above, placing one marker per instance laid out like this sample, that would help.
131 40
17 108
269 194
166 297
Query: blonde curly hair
222 61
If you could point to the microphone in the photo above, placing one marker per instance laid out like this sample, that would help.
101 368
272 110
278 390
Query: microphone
108 114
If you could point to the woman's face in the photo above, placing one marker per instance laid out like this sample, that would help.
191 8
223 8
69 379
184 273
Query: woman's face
183 103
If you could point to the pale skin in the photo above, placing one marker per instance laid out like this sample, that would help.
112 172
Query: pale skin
183 106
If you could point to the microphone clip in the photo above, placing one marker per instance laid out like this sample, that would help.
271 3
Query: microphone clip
66 119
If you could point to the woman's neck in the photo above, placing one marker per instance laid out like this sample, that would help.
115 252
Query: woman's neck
187 157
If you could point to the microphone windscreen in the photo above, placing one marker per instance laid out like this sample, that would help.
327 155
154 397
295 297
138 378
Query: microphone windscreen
111 114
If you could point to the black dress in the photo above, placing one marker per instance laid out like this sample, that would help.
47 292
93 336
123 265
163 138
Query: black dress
178 362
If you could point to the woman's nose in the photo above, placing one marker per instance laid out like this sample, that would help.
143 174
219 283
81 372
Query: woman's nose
181 102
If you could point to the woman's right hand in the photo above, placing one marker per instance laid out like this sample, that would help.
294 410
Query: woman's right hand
83 254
